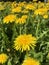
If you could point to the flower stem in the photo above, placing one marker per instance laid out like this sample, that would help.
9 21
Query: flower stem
20 29
25 28
37 29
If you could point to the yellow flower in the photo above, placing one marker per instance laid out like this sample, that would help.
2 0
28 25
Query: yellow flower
22 20
41 4
9 18
31 61
22 4
13 4
24 16
30 7
2 7
3 58
40 11
17 9
35 0
45 16
25 11
24 42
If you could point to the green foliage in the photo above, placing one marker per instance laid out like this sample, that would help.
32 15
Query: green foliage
37 26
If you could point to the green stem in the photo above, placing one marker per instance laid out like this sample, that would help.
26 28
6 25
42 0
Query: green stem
3 43
37 29
26 25
1 48
14 31
25 28
3 34
20 29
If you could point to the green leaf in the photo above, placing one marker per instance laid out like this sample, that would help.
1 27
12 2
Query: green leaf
9 62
